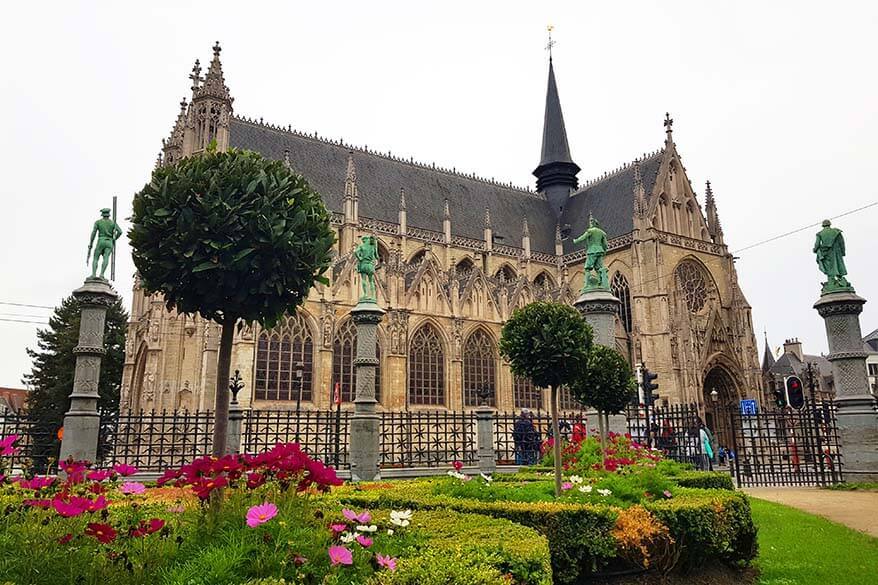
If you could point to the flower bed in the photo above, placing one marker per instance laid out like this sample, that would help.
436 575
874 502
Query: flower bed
235 520
586 532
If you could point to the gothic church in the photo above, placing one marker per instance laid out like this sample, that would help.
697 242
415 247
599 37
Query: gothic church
449 279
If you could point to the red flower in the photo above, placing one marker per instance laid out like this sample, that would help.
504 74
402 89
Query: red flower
458 465
65 539
104 533
145 528
124 469
96 488
204 486
254 480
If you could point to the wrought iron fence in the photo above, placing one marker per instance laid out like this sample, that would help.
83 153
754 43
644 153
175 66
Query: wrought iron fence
37 446
321 434
155 441
516 442
671 429
787 447
427 438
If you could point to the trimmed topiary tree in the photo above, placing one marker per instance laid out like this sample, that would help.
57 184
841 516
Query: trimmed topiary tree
606 384
235 237
547 343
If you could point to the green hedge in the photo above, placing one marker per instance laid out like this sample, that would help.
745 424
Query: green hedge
707 525
716 480
579 536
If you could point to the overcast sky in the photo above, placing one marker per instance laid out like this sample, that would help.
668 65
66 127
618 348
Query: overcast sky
774 102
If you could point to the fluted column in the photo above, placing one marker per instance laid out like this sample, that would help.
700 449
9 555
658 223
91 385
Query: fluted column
365 422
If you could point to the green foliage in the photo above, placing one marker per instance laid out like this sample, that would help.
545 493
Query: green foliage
230 234
54 363
606 383
861 486
703 479
546 342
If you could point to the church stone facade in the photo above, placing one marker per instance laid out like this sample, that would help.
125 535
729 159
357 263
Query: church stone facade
458 254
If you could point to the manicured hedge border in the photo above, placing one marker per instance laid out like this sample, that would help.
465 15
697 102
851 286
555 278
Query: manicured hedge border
708 525
691 479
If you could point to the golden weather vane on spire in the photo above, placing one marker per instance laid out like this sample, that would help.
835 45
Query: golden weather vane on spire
551 43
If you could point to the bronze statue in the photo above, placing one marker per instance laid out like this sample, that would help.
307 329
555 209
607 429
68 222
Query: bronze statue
108 232
367 257
594 273
829 249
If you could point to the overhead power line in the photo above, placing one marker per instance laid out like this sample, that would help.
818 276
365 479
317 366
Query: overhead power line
26 305
23 321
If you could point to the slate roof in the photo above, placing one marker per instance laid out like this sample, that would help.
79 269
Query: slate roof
789 364
555 147
610 201
379 179
871 342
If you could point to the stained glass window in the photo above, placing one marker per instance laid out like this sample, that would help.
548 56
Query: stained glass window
277 353
479 365
619 285
525 394
692 283
426 384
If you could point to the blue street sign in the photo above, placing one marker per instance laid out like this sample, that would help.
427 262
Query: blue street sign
748 406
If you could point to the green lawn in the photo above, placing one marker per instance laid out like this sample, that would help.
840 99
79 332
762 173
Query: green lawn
796 548
862 486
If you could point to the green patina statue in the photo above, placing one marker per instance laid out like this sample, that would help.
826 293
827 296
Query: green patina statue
367 256
595 273
829 248
108 232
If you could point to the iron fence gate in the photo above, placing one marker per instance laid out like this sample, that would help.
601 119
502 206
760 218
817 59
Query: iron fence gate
786 447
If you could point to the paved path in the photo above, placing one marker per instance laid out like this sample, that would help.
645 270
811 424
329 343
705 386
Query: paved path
857 510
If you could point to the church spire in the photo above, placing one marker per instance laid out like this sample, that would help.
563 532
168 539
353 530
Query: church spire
211 107
713 225
556 173
767 357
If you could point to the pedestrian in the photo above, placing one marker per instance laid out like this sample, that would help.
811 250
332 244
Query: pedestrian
532 441
526 439
721 455
706 449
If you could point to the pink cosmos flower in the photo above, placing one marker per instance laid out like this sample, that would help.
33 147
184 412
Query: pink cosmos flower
387 562
667 494
38 503
6 448
36 483
71 508
178 509
362 518
339 555
124 469
261 514
364 541
132 488
337 528
99 475
566 486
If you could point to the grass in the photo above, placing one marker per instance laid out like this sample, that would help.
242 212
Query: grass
862 486
796 548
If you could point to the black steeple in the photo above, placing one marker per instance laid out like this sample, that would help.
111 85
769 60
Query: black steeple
556 175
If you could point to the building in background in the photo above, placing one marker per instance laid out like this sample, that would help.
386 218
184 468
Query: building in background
794 362
870 344
13 400
458 254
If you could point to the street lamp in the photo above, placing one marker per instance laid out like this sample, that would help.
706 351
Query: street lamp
300 367
236 384
714 396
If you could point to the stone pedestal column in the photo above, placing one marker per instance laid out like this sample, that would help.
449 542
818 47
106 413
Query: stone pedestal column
599 309
485 437
82 421
236 423
857 408
365 422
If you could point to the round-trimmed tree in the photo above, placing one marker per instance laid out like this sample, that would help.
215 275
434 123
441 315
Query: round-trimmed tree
235 237
547 343
606 384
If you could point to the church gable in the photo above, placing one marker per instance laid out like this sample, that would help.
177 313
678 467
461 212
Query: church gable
672 205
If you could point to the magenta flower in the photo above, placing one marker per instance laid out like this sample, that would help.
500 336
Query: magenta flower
132 488
124 469
6 448
74 506
339 555
36 483
667 494
337 528
261 514
99 475
362 518
566 486
387 562
364 541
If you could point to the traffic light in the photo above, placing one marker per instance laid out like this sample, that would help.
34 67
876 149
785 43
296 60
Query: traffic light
795 393
649 387
779 399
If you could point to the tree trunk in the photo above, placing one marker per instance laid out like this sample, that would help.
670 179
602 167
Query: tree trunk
221 406
603 433
556 437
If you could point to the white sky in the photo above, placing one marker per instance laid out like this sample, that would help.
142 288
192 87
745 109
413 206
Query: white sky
775 102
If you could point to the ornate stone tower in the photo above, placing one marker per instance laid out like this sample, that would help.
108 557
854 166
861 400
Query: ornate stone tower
211 108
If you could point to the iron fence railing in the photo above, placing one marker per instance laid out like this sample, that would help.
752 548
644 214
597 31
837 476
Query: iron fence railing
518 442
427 438
322 434
37 447
671 429
155 441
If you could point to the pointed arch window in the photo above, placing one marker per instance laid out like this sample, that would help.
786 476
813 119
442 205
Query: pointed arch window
692 284
344 372
426 384
506 274
566 400
544 281
479 368
277 353
463 268
619 284
525 394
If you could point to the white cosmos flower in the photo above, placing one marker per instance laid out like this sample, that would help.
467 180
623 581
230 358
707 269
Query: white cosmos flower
575 479
370 528
457 474
401 517
347 537
390 532
586 489
487 478
604 492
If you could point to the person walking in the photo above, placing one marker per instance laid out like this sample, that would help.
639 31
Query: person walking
524 435
706 448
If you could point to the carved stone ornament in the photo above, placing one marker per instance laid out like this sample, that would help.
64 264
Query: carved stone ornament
327 323
398 331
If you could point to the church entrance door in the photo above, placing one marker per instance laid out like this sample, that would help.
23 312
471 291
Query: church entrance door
720 398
